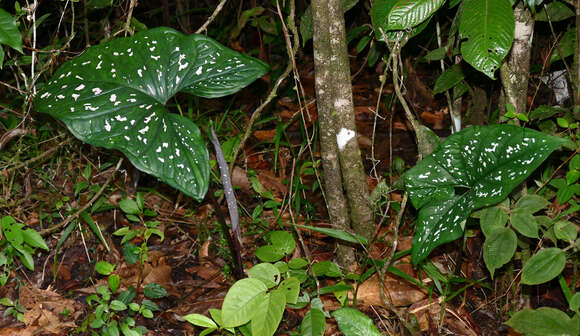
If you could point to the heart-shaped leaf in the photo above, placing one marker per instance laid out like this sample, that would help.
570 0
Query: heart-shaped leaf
113 96
471 169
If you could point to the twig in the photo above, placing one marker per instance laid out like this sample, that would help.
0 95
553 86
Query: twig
74 216
215 13
37 158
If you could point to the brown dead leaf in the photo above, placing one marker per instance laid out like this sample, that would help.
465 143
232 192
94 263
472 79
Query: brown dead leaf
398 291
265 135
428 313
44 308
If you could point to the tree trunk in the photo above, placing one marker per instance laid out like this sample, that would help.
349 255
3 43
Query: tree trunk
353 173
515 71
335 199
336 118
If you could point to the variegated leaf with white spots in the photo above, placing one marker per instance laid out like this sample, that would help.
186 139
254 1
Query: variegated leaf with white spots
474 168
114 96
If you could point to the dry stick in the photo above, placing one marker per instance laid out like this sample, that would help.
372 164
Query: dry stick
72 217
37 158
256 114
410 117
389 262
218 9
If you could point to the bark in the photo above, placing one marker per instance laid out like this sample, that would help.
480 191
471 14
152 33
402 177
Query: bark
353 173
335 199
515 71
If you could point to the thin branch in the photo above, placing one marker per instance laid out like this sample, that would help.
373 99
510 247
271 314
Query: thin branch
75 215
215 13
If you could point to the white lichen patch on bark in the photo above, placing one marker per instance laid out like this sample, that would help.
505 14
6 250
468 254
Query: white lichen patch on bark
343 137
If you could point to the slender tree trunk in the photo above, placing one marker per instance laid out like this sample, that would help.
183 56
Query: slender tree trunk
341 155
515 71
336 201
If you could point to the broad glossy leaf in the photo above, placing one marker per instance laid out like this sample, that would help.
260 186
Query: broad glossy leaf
488 26
113 96
200 320
499 248
269 314
241 302
544 321
380 14
354 323
291 288
543 266
471 169
407 14
267 273
34 239
313 323
9 34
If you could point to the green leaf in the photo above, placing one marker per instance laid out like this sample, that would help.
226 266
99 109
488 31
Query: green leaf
499 248
25 257
269 253
380 12
492 218
448 79
565 46
544 321
354 323
118 305
200 321
297 263
129 206
565 230
269 314
9 33
313 323
267 273
326 268
113 96
554 11
488 26
114 281
545 112
241 302
575 303
476 167
155 291
407 14
338 234
291 287
12 231
543 266
34 239
283 241
436 54
104 268
524 222
531 203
